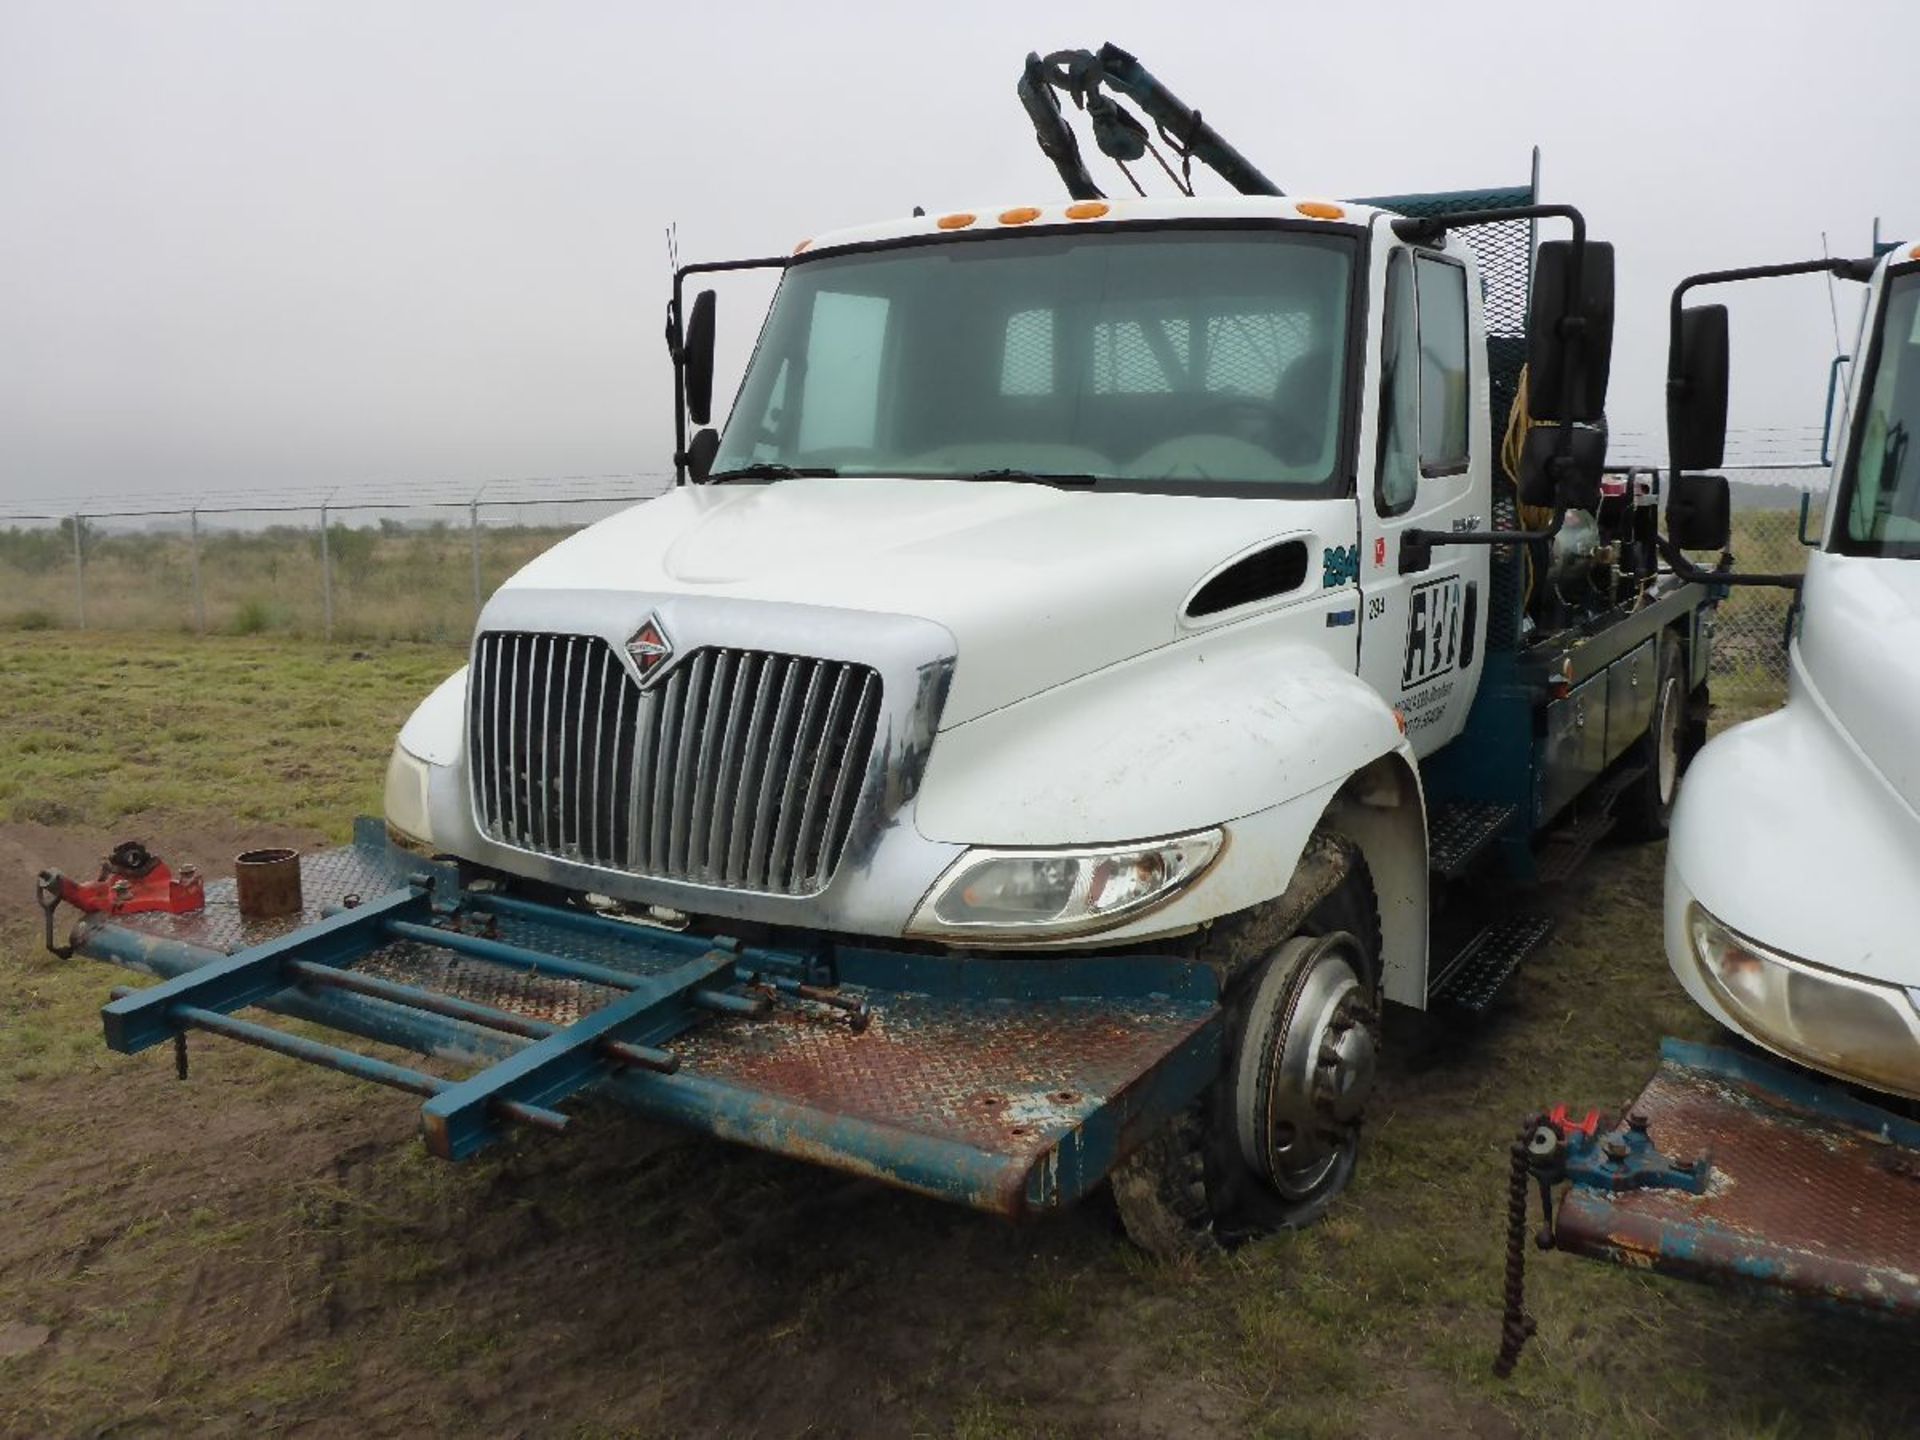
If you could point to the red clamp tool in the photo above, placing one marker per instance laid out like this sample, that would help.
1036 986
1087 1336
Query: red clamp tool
132 880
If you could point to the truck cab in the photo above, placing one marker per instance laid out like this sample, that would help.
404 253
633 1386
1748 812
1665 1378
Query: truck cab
1786 1159
1790 898
1103 577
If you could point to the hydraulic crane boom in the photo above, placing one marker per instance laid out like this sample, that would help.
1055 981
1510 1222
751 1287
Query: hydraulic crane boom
1083 75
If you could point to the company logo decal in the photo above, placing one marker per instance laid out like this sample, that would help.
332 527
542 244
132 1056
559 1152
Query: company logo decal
1435 621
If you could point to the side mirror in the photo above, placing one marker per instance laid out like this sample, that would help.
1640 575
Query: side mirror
1572 483
696 356
1699 512
1570 337
1697 390
700 452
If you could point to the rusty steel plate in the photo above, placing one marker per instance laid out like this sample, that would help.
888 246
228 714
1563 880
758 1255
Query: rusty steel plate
1808 1193
1009 1079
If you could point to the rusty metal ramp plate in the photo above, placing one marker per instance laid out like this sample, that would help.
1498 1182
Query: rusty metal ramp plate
1009 1105
1812 1191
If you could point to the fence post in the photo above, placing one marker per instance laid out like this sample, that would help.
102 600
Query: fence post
193 549
326 576
79 570
473 532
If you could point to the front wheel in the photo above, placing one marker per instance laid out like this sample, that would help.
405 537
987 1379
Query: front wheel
1276 1139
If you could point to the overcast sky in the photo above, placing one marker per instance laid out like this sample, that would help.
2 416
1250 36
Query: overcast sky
275 244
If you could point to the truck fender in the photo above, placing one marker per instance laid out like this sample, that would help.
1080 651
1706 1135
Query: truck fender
436 730
1786 832
1272 744
1382 810
1180 739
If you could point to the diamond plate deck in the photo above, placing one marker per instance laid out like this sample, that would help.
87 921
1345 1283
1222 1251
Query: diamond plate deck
327 879
1800 1200
999 1077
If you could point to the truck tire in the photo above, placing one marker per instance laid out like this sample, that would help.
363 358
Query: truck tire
1646 808
1274 1141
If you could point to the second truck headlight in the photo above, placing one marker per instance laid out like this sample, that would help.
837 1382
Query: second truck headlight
1030 894
1845 1026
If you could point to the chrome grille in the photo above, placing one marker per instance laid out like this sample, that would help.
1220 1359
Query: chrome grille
742 768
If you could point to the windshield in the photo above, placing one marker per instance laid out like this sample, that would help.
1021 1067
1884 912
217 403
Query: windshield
1159 358
1882 505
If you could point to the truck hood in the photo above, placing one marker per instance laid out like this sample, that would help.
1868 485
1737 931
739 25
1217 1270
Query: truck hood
1860 648
1037 585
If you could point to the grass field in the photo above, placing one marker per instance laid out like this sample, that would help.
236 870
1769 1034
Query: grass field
266 1249
389 582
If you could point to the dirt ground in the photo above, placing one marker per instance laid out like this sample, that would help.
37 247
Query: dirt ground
266 1249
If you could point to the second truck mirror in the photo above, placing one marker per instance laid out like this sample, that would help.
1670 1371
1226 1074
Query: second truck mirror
697 356
1699 512
1697 389
1582 352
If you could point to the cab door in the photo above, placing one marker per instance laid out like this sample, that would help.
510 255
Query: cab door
1421 635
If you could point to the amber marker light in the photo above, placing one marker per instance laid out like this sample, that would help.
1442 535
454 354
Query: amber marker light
801 246
1087 210
1321 210
1020 215
954 222
1914 253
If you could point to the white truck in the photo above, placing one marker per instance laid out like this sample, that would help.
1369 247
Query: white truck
1790 1158
1111 616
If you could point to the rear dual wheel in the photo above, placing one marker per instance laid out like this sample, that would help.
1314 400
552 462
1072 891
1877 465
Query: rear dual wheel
1663 753
1276 1138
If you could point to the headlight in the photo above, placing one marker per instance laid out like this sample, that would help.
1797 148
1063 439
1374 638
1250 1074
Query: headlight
406 802
1030 894
1837 1023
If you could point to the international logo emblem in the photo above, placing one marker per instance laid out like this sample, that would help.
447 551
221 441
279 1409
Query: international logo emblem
651 649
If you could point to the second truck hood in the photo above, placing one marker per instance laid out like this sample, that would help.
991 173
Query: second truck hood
1860 646
1038 585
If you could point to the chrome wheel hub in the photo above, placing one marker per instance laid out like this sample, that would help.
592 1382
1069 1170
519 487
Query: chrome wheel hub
1307 1065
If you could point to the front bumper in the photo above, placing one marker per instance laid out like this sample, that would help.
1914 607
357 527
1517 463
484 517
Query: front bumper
1810 1191
1010 1085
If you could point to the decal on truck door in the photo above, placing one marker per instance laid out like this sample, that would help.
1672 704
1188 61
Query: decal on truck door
1435 613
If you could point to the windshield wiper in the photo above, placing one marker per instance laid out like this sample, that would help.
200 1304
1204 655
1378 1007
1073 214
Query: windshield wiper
1038 477
772 470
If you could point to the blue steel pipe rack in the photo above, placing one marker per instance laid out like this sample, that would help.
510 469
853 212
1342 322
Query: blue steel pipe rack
530 1065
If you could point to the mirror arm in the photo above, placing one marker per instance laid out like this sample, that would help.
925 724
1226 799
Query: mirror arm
677 344
1844 268
1687 570
1416 545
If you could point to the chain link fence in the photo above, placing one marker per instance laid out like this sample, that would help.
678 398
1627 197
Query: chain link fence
342 564
370 566
1772 510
